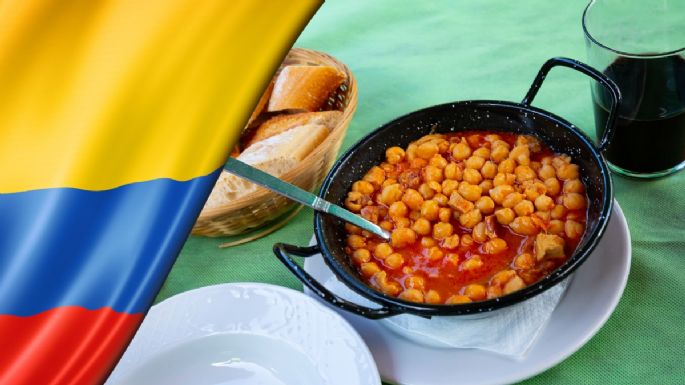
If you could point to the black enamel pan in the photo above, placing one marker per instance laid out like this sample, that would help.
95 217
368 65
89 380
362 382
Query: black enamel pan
560 135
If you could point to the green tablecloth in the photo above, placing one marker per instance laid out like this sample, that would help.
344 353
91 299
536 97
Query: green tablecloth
411 54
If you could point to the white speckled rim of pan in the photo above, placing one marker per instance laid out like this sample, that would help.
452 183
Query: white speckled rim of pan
245 334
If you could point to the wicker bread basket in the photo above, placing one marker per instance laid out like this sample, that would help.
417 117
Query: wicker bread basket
262 206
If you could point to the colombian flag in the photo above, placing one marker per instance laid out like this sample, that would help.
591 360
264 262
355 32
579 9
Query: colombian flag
115 119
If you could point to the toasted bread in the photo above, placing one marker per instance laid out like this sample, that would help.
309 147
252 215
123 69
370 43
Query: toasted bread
304 87
281 123
261 104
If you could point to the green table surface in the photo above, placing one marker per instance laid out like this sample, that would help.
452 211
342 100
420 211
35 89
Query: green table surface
411 54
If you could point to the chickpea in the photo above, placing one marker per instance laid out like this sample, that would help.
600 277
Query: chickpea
386 225
418 163
403 237
475 292
425 191
472 176
470 219
546 160
479 233
444 214
504 216
411 152
499 152
429 210
474 162
507 166
432 297
375 176
514 284
363 187
391 194
568 171
560 160
523 208
397 210
361 255
427 150
524 173
543 215
502 277
494 246
453 171
415 282
553 187
574 186
427 242
461 150
352 229
435 254
494 292
402 223
555 226
466 241
573 229
574 201
485 186
501 179
438 161
544 203
521 154
489 169
394 155
485 204
498 193
415 215
422 226
394 261
473 263
391 288
546 171
412 295
449 185
451 242
354 201
483 152
356 241
558 212
512 199
435 186
535 166
382 250
388 182
523 226
368 269
524 261
412 198
469 192
457 299
442 230
432 173
441 199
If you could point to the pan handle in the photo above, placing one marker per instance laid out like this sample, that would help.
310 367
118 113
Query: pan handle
282 252
594 74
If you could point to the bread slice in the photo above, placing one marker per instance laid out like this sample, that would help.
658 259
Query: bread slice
281 123
275 155
304 87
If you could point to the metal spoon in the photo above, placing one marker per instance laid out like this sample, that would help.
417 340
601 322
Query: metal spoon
295 193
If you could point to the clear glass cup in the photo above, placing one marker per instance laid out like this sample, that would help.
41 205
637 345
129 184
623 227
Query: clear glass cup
640 45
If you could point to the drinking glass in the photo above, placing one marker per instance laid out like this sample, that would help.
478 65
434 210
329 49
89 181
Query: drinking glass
640 45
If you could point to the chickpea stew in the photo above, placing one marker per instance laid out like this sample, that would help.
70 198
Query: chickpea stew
473 215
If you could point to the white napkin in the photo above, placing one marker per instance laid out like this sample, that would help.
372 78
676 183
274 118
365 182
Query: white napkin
510 331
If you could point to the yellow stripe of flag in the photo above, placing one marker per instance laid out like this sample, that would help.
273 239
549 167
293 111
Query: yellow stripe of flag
95 94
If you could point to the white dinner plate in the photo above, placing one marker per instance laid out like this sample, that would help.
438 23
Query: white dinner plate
244 334
588 302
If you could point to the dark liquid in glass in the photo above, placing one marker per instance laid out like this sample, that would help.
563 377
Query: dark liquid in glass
650 129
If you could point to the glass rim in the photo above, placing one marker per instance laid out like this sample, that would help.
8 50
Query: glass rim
623 53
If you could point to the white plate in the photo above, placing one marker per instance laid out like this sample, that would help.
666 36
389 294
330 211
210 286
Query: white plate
589 301
244 334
